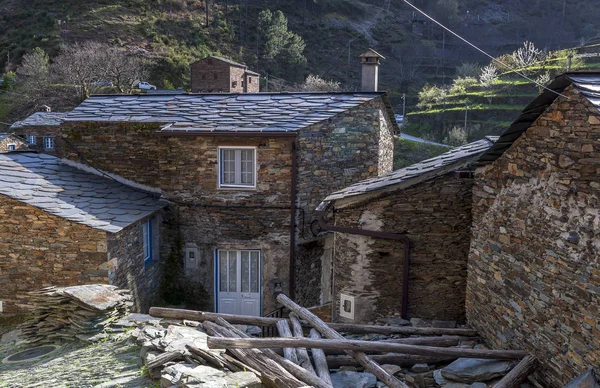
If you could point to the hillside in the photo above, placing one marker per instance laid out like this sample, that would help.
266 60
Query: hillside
172 33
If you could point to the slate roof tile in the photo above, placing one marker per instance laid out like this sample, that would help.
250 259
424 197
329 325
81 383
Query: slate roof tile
42 119
454 157
45 182
264 112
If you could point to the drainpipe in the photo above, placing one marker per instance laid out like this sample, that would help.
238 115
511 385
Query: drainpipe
293 221
322 211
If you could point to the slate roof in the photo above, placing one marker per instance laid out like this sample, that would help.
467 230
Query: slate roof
248 112
444 163
226 60
45 182
42 119
587 83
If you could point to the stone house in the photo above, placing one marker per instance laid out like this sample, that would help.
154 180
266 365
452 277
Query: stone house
243 174
402 240
65 224
220 75
534 268
39 130
9 142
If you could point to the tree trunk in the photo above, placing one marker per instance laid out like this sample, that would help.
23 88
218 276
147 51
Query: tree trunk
519 374
284 332
303 359
320 359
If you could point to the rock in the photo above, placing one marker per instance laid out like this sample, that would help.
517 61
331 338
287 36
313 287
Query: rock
391 369
420 368
439 379
479 385
189 376
153 332
381 385
418 322
348 368
586 380
177 337
254 331
348 379
470 370
393 321
243 380
444 324
456 385
11 336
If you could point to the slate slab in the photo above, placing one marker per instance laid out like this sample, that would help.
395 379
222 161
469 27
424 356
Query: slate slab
586 380
347 379
471 370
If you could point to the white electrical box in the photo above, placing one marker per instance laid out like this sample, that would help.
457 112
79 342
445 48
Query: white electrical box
346 306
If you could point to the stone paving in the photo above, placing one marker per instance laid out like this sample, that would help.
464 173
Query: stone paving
110 363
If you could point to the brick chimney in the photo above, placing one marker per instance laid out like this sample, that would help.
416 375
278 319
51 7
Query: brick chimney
370 70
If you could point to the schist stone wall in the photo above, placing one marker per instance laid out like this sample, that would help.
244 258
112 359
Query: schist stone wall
38 249
126 267
19 144
214 76
40 132
436 217
534 269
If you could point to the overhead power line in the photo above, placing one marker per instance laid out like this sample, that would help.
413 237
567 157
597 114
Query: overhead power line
483 52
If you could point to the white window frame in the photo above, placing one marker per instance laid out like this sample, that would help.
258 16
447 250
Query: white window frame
193 250
13 145
147 241
46 138
219 166
31 139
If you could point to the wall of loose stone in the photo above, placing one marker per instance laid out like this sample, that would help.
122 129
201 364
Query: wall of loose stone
436 216
38 249
216 77
40 132
534 269
126 263
19 144
308 272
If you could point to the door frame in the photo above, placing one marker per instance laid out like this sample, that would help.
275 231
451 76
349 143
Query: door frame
260 272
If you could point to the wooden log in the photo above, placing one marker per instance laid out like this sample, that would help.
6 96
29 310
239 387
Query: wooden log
303 358
320 359
328 332
271 373
213 359
362 346
429 341
519 373
285 332
404 360
294 369
162 359
201 316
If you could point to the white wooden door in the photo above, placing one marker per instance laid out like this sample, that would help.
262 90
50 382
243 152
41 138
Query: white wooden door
239 282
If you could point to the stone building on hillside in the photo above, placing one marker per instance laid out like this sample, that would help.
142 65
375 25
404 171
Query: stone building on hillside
10 142
402 240
63 225
220 75
534 264
243 174
39 130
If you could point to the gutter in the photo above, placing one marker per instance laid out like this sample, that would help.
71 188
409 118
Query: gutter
322 211
196 133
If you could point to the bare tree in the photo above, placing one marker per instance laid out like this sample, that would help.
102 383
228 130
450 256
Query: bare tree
314 83
81 66
489 75
527 55
34 74
121 68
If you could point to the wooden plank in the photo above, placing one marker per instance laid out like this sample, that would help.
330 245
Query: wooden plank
320 359
303 358
285 332
294 369
362 346
328 332
201 316
519 373
404 360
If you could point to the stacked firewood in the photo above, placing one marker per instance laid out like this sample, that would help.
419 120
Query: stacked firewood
294 367
66 313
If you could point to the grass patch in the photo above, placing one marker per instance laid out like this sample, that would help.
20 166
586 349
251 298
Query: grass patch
408 152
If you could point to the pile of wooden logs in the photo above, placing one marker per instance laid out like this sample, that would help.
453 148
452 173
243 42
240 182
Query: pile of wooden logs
296 367
67 312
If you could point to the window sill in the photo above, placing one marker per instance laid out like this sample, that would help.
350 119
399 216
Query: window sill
238 188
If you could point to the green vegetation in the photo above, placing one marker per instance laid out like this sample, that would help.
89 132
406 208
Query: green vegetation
407 152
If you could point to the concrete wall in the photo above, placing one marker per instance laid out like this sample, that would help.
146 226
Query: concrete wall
534 269
436 217
38 249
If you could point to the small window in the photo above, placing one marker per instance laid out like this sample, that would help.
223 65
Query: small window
49 142
12 147
191 258
249 80
216 76
237 167
31 139
147 241
242 83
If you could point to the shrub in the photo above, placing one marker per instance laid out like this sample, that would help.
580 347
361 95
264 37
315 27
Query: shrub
456 137
468 70
430 95
9 80
543 79
461 84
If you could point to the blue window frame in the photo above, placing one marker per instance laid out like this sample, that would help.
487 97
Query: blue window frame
31 139
49 142
12 147
147 241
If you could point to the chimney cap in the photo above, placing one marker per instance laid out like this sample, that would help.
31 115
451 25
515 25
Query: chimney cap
370 53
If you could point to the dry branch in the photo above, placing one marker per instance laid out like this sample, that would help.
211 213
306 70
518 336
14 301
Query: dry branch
519 373
404 360
303 359
285 332
320 359
328 332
